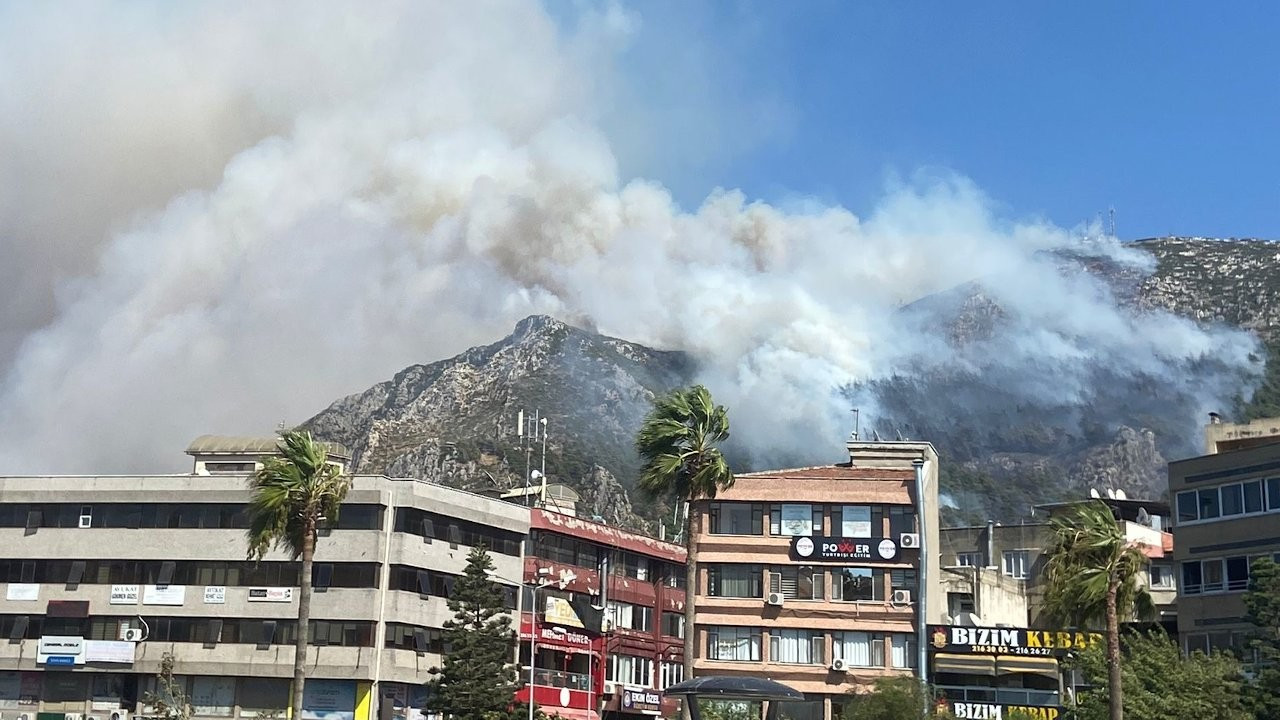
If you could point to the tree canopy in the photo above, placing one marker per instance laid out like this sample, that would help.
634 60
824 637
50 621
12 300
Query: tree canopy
478 679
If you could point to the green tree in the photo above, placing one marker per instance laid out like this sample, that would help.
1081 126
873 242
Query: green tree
678 446
1262 610
292 495
477 680
1161 683
893 698
1094 573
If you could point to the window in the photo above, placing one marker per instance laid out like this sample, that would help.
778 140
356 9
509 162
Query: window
1232 500
791 519
1211 573
858 649
855 521
734 580
673 625
799 647
412 637
852 584
631 670
1161 576
902 519
1253 496
1273 493
629 616
904 580
1188 507
1208 503
730 518
733 643
1192 578
969 559
1237 573
1017 563
625 564
458 532
798 582
902 650
670 673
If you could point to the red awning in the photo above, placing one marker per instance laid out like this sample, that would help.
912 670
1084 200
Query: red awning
569 713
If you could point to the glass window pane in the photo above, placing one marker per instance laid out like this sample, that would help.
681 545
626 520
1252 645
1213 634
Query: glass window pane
1188 507
1211 573
1273 493
855 521
1232 500
1253 496
1237 573
1209 503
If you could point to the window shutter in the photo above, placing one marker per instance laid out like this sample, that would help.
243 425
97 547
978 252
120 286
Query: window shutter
76 574
268 634
165 575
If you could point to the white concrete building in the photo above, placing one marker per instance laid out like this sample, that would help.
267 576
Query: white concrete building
91 564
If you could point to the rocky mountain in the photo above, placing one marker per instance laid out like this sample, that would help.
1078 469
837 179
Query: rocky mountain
454 421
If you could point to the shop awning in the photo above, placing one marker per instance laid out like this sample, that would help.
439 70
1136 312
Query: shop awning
964 664
569 713
1047 666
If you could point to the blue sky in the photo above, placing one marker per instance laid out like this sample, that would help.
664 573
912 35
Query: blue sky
1165 111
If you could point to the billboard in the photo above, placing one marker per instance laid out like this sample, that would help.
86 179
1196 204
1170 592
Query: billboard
864 550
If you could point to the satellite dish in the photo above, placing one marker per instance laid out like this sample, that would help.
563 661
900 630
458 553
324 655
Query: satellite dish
1120 495
1093 493
1144 517
1111 493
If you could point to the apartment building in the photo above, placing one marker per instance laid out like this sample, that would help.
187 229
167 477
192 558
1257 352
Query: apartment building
1228 516
104 576
813 576
637 582
993 574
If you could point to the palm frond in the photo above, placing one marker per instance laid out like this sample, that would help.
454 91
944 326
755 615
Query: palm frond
292 492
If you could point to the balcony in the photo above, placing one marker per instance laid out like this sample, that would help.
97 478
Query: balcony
1002 696
562 679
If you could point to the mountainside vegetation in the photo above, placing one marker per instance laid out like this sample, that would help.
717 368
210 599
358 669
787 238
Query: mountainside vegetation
454 421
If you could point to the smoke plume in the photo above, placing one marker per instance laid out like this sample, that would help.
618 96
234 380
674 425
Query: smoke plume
218 219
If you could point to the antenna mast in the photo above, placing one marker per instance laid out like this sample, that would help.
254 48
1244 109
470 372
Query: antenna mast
1113 222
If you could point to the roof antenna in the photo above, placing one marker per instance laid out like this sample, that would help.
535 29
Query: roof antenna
876 434
1113 222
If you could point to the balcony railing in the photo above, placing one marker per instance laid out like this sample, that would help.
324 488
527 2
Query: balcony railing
560 678
1003 696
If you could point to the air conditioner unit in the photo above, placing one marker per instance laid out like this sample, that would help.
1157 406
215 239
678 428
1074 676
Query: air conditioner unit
774 599
901 597
73 716
610 688
23 716
840 665
131 634
119 715
909 540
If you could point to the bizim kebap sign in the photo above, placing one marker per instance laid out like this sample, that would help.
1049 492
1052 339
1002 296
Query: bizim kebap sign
1009 641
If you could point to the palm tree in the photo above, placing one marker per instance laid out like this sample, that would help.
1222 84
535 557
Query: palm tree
677 444
293 493
1094 573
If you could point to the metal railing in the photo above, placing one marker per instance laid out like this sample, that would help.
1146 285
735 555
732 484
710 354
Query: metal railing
561 678
1003 696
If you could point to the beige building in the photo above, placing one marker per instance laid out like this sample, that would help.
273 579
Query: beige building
993 574
812 576
1228 515
105 575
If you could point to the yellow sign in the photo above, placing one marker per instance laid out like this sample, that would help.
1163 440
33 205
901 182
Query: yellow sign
560 612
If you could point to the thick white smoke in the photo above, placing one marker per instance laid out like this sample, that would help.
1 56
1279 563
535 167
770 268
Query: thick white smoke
220 219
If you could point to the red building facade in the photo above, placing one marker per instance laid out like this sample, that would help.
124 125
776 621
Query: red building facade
619 672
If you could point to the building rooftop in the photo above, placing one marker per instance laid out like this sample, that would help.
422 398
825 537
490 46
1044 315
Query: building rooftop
248 445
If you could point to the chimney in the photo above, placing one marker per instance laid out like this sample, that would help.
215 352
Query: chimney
1215 418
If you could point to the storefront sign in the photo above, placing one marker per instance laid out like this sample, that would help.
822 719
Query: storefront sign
1009 641
329 700
641 701
271 594
109 651
561 635
124 595
843 549
22 591
164 594
989 711
215 594
60 650
560 612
